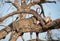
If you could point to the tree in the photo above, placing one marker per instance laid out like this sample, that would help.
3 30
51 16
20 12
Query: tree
18 28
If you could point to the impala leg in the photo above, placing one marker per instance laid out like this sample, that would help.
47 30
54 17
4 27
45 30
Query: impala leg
30 35
22 36
37 36
14 36
4 32
42 10
50 2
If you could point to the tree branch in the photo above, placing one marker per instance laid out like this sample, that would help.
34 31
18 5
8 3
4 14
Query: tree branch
14 36
16 4
4 32
25 11
4 17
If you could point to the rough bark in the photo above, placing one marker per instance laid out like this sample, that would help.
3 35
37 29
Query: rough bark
6 16
14 36
4 32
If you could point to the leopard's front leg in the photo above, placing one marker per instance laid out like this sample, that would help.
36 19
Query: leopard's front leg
4 32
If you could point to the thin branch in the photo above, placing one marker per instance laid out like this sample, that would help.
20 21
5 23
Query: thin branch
4 32
25 11
16 4
6 16
14 36
31 4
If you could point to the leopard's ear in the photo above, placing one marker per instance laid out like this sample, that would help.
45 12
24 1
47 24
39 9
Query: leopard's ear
47 19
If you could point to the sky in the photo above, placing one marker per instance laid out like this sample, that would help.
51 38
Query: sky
50 9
